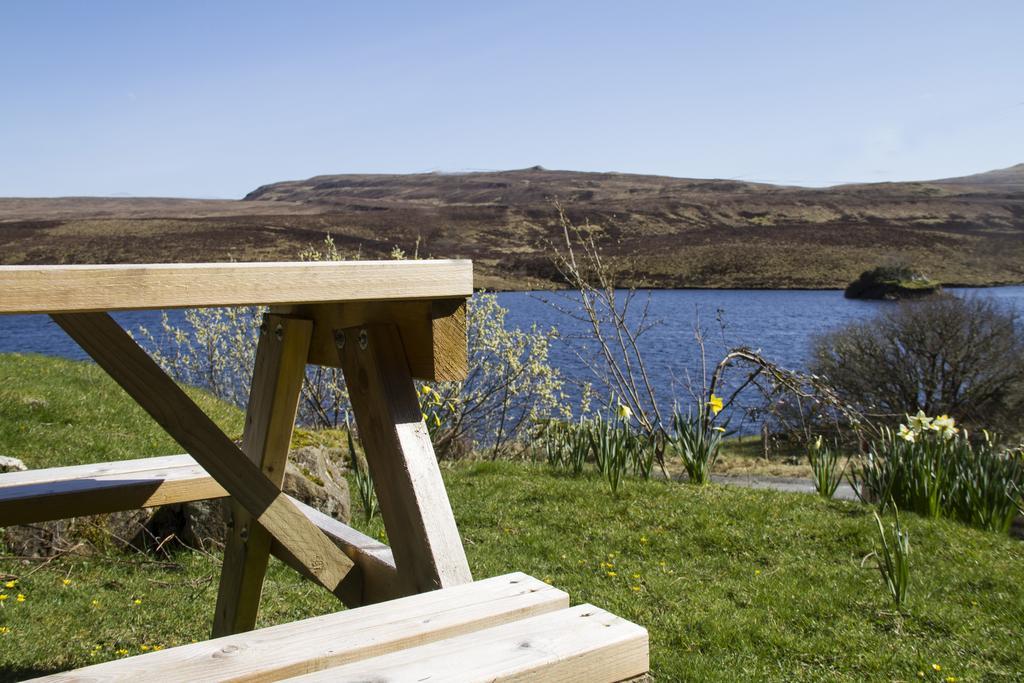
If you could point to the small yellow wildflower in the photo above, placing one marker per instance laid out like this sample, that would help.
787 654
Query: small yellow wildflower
4 630
21 597
547 580
613 574
3 596
715 403
950 679
920 674
757 572
11 584
122 652
936 667
635 575
157 648
66 582
144 648
95 603
636 589
643 539
137 601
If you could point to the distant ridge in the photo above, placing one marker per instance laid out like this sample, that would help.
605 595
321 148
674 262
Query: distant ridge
483 186
657 231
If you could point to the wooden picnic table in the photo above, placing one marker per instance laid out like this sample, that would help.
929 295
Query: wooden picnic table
385 324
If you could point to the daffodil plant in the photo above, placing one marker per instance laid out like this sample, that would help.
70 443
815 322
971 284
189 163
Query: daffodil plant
697 440
932 467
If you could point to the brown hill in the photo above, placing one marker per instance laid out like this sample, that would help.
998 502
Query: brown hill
671 231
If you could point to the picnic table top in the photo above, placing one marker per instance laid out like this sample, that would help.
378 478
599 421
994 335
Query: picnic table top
81 288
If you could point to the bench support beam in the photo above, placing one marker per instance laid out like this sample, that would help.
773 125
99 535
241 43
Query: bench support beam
115 351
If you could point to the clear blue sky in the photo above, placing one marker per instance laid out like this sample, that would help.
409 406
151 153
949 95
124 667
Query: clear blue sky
211 99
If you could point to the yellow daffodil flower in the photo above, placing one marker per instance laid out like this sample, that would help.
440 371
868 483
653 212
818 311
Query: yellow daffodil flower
945 425
715 403
907 434
919 422
624 412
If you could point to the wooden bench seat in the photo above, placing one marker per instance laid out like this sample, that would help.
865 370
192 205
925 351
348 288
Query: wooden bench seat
510 627
63 492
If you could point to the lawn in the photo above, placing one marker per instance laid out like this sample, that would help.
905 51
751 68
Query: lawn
732 584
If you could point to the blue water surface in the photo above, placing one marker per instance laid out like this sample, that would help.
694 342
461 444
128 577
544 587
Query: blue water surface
779 323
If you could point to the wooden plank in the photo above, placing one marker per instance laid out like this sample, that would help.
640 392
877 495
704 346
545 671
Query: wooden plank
279 652
146 383
413 502
582 644
433 332
85 288
269 421
63 492
377 578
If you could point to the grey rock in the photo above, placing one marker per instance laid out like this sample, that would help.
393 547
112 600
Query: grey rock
316 476
9 464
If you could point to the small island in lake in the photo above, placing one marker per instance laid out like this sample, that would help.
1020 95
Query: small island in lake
892 283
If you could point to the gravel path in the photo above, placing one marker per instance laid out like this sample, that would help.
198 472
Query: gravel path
789 484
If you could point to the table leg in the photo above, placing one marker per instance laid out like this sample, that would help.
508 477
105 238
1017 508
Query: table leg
270 419
413 502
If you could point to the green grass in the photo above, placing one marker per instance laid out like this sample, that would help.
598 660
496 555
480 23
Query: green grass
57 412
732 584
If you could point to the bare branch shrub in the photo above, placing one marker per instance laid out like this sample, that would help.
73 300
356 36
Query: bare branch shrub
946 355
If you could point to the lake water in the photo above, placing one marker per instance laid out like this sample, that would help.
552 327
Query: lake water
780 323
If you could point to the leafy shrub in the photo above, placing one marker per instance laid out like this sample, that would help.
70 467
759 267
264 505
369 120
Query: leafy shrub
511 382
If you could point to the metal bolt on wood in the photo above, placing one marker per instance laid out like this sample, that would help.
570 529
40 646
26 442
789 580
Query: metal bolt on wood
364 339
339 339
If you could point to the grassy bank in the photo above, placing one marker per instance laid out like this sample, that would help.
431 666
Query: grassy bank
732 584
